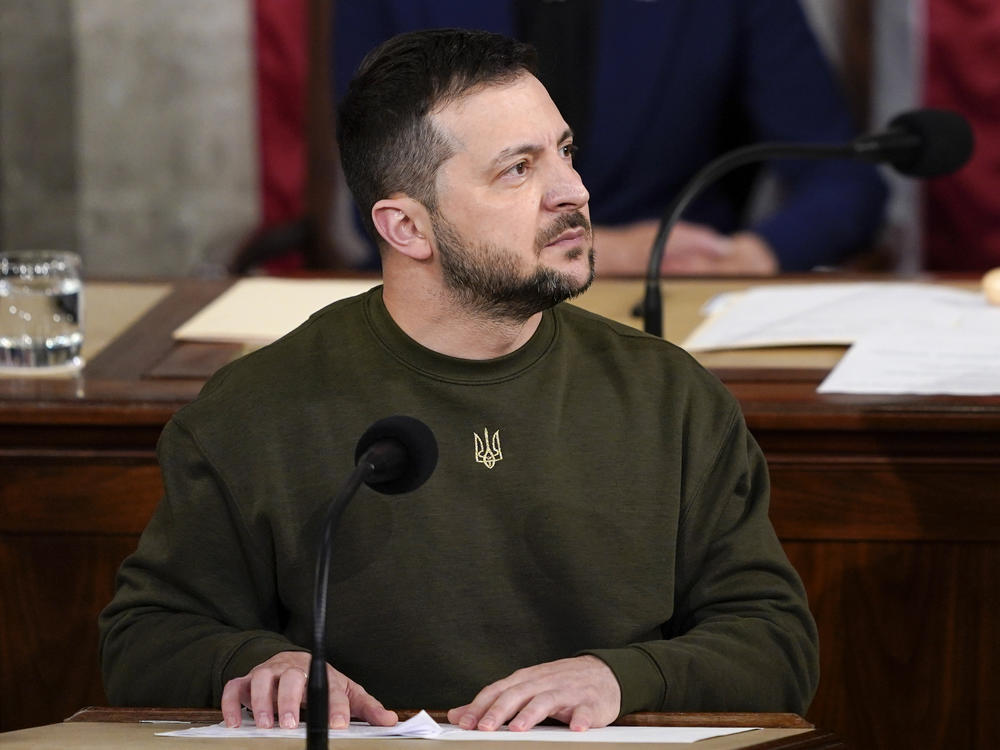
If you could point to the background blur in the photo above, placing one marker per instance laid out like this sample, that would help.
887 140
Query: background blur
128 131
161 137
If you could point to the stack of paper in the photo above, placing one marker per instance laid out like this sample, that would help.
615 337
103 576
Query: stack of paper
424 727
817 314
904 337
961 357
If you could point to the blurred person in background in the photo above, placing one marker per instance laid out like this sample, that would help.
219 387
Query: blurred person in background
656 90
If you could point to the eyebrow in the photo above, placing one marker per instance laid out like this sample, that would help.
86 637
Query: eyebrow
531 149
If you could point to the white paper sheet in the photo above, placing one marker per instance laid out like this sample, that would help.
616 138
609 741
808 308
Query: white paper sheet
260 310
958 359
605 734
824 314
422 726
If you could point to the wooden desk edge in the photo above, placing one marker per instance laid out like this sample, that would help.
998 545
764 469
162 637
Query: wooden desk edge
646 719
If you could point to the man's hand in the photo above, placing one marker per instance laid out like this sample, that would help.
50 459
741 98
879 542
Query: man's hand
703 251
581 692
280 684
691 249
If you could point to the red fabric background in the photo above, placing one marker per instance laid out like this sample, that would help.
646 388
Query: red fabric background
962 211
281 48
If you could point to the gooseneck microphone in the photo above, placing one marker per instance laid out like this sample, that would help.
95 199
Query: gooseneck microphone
921 143
395 455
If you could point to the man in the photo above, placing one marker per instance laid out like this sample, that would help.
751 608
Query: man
654 91
594 540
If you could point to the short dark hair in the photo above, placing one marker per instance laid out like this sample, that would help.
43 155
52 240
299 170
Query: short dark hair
387 142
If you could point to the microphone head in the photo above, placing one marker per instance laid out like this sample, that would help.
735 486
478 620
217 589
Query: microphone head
946 142
402 450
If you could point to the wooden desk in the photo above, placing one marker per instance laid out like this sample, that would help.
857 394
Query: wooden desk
110 728
887 506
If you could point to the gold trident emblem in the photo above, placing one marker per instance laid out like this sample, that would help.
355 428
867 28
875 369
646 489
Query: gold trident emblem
488 449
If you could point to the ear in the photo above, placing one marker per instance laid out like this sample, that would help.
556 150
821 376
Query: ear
403 223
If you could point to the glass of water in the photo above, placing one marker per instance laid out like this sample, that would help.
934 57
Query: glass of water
41 310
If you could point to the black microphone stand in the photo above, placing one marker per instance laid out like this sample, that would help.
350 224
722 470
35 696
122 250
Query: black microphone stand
652 303
395 455
318 717
921 143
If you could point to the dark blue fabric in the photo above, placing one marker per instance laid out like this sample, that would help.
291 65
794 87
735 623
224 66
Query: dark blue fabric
679 82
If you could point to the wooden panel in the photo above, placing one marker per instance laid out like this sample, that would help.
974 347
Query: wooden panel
909 638
52 589
82 495
886 500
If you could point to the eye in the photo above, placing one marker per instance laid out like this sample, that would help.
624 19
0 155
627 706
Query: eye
520 169
569 150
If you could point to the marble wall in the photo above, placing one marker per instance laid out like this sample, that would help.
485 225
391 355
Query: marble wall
128 132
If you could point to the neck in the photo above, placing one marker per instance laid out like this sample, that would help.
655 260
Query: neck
435 320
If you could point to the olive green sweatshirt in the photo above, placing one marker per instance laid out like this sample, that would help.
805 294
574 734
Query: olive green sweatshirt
596 492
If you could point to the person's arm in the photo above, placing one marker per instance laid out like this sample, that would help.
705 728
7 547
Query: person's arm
827 209
741 636
195 620
194 605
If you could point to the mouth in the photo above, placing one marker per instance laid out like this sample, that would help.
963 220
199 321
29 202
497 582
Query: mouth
570 237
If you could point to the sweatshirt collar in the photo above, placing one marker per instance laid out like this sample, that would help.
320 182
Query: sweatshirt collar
433 364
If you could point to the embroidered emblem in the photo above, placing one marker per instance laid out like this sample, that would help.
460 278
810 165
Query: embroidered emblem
488 449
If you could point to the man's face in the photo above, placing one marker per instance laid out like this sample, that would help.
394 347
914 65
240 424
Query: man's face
512 227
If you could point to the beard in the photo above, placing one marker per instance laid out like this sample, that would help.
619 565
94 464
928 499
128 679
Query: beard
485 278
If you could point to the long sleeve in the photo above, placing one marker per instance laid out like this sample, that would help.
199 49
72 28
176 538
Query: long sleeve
741 636
828 208
195 604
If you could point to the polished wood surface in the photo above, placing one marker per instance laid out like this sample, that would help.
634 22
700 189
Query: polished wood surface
643 719
101 727
138 736
887 505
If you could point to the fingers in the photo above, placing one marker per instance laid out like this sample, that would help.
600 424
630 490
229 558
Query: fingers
582 719
340 704
520 702
263 681
234 695
539 708
582 692
563 704
291 692
455 714
696 249
696 239
367 708
275 690
701 250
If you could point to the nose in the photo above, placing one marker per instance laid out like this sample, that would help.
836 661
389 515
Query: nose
566 191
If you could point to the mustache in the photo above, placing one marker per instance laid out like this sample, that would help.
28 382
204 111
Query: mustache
560 225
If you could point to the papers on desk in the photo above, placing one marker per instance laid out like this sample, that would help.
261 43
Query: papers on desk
904 338
260 310
821 314
961 359
422 726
